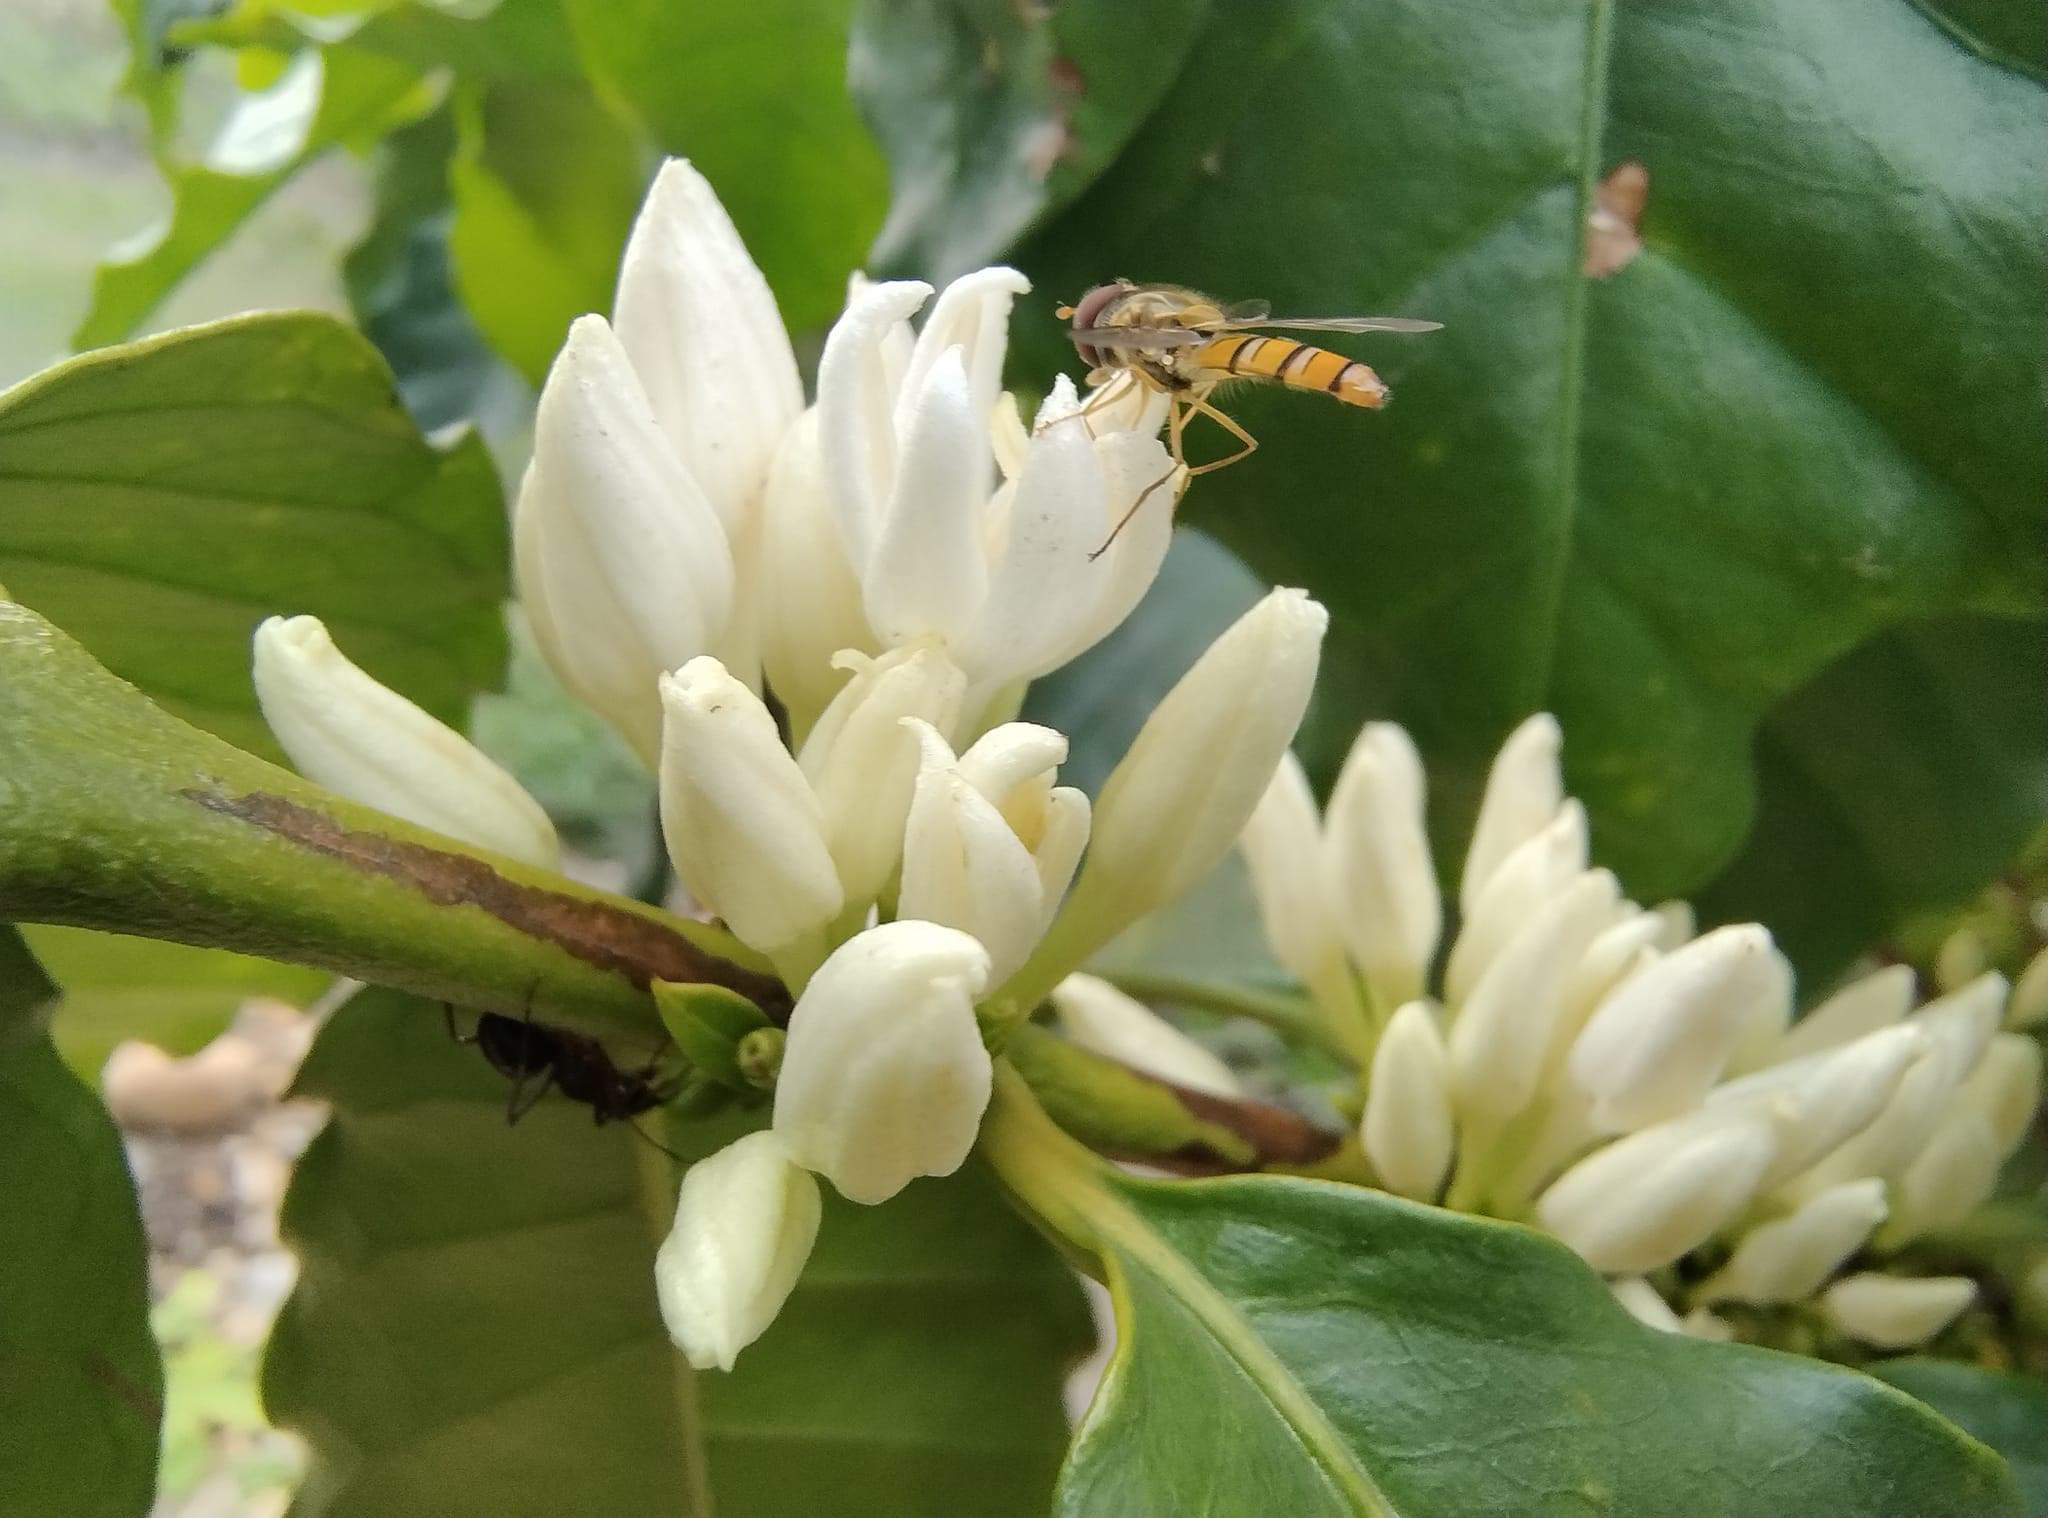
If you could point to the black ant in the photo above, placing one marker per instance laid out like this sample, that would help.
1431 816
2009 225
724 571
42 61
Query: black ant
521 1049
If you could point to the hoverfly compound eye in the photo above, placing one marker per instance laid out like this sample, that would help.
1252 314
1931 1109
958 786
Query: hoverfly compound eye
1089 306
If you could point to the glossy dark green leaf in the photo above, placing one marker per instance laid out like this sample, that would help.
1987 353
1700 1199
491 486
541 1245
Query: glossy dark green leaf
753 92
1307 1348
546 183
1654 503
995 114
350 96
81 1383
1900 780
158 500
475 1332
2008 1412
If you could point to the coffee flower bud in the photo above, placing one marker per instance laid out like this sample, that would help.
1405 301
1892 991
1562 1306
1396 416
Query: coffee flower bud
1378 861
1283 851
1407 1129
1792 1257
884 1077
362 740
745 1222
1523 792
1896 1312
1099 1017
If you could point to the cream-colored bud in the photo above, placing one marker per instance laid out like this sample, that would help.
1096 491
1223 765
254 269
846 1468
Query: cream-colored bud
1283 852
1501 1036
1377 859
742 825
1537 869
1791 1258
885 1077
1955 1172
1097 1016
1645 1304
1679 924
1961 958
2029 1002
2006 1088
1407 1131
1194 775
990 843
1822 1101
1896 1312
362 740
745 1222
1642 1201
862 760
1763 1025
1617 953
1523 792
1661 1039
1864 1005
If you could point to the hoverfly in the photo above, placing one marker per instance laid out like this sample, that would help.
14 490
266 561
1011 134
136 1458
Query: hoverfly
1180 342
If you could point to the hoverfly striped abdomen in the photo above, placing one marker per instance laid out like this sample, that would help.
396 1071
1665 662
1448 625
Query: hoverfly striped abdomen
1300 366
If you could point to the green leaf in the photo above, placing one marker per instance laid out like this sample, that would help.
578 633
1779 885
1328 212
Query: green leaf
2009 1413
1654 503
995 114
325 99
753 92
159 499
81 1384
1899 781
1303 1347
474 1330
177 998
546 185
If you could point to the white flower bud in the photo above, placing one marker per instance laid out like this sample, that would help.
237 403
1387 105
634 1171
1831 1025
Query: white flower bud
1523 792
1763 1024
884 1077
1645 1304
1538 868
1501 1036
1791 1258
1896 1312
2029 1002
1407 1130
990 842
1194 775
1822 1101
1960 959
1701 1324
1617 953
1680 925
745 1222
810 601
1283 852
1956 1171
623 567
862 760
699 322
1862 1006
2006 1088
1388 906
1660 1040
1642 1201
364 741
743 828
1099 1017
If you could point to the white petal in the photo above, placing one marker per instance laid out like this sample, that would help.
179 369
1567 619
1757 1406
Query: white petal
1523 792
1821 1101
1099 1017
927 575
1532 873
1897 1312
971 314
1407 1130
1010 755
2006 1087
1864 1005
360 739
1060 845
742 826
857 412
1645 1304
1377 852
1791 1258
700 325
745 1221
1283 852
1947 1181
885 1078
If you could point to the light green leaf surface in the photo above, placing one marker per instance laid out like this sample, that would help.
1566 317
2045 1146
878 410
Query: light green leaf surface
754 94
474 1330
81 1384
1307 1348
158 500
359 96
1654 503
2008 1412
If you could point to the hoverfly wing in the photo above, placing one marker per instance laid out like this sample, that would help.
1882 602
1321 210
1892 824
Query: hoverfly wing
1246 313
1138 337
1334 324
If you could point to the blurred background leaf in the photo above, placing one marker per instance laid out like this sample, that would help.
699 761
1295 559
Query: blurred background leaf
2007 1412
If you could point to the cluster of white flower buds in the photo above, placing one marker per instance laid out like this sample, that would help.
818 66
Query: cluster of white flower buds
1592 1066
893 564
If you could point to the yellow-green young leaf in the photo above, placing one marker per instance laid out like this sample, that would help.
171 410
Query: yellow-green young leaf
546 182
755 95
326 98
81 1383
1307 1348
158 500
169 994
1655 501
475 1334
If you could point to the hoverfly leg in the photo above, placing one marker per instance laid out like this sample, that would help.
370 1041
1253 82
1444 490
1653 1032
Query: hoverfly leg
647 1138
448 1017
519 1103
1174 416
1106 391
1251 444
